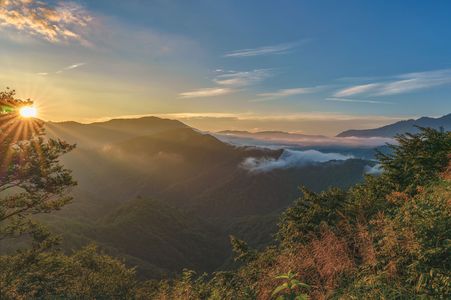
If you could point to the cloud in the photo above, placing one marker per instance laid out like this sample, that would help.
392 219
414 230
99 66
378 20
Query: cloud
282 139
290 159
288 92
358 89
245 78
373 170
59 23
266 50
71 67
357 100
416 81
206 92
74 66
400 84
229 83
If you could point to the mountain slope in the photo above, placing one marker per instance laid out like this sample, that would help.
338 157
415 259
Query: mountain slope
201 192
401 127
162 236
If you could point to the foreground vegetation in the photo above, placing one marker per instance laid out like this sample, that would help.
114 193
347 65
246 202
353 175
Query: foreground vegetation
388 237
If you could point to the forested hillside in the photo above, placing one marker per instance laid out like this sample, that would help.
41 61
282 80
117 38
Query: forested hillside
180 187
386 237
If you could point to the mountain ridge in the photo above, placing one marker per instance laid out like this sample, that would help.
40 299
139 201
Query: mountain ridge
155 171
391 130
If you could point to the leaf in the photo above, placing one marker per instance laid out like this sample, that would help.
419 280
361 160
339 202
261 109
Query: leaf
297 283
302 297
279 289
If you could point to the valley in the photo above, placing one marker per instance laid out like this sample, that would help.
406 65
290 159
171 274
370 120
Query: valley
149 184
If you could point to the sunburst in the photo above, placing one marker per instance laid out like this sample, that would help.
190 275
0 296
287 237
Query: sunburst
28 112
16 127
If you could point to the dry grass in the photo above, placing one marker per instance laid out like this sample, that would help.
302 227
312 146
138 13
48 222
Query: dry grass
365 246
447 174
397 198
319 263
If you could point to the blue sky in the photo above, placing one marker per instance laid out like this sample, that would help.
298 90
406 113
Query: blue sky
310 66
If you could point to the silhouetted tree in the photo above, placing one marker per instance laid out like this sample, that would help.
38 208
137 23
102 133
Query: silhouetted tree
32 181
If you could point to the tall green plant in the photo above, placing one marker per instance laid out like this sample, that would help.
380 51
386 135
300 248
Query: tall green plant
290 289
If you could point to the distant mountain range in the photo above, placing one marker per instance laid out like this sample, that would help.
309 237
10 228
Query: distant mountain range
401 127
362 147
269 134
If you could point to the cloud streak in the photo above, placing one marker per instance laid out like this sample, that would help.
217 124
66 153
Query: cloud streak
266 50
206 92
71 67
357 100
400 84
288 92
74 66
358 89
246 78
61 23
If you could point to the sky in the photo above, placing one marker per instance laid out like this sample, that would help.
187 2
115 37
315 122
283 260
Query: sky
316 67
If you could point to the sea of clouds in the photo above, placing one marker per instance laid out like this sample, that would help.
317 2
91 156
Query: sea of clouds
290 159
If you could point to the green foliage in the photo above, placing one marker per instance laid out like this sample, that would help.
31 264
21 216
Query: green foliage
241 250
290 288
33 182
422 228
86 274
306 214
9 103
416 160
31 179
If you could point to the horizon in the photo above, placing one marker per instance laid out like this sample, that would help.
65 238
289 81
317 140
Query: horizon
293 67
187 121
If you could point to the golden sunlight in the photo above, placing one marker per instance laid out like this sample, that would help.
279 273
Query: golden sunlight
28 112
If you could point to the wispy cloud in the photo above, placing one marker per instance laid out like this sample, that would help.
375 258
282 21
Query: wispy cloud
70 67
266 50
358 89
230 82
400 84
238 79
62 22
416 81
206 92
288 92
357 100
74 66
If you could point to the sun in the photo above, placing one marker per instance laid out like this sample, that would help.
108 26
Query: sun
28 112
